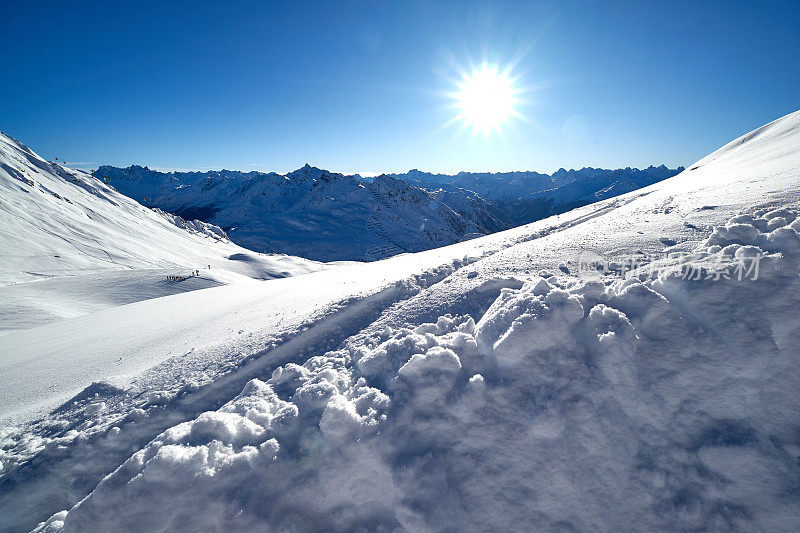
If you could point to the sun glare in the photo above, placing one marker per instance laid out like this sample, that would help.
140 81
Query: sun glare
486 99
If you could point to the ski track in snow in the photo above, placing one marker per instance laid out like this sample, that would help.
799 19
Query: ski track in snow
484 385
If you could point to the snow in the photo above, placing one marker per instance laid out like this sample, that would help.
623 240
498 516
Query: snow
477 386
30 304
309 212
514 198
329 216
87 247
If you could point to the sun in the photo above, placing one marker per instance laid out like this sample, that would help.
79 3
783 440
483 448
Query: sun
486 99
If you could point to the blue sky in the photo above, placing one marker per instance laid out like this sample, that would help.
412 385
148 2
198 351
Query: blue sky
366 86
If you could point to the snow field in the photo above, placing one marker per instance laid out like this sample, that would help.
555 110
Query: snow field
667 403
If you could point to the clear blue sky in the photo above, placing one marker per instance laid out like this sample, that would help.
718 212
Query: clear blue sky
363 86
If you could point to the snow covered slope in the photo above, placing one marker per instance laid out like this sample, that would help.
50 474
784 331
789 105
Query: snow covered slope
309 212
511 382
70 244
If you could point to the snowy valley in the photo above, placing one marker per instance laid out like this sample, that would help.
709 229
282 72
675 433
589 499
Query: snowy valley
629 361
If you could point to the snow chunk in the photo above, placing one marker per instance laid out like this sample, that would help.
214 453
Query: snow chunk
227 427
734 234
340 419
785 240
521 322
430 376
422 368
615 347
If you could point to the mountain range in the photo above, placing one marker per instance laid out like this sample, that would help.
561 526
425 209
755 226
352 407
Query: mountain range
72 237
329 216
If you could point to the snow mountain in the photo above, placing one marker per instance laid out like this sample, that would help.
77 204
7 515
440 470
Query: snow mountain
629 364
309 212
522 197
74 238
329 216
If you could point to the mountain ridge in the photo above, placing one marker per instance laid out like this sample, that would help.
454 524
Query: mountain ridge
322 215
89 247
